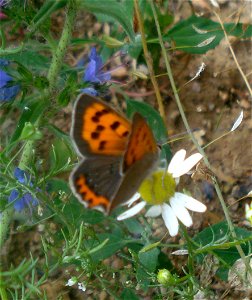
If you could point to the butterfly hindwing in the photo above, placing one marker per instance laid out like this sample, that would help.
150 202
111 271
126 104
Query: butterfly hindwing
98 129
95 181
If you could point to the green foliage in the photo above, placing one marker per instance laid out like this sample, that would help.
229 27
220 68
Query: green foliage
198 35
73 240
115 10
217 235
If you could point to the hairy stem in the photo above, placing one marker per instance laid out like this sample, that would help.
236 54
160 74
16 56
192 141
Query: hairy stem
62 46
53 74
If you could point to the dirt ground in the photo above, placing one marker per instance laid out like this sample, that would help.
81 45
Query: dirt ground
212 103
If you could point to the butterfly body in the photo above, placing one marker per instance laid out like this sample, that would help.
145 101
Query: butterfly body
117 155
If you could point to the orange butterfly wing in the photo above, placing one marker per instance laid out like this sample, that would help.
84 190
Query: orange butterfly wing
141 142
140 158
98 129
101 136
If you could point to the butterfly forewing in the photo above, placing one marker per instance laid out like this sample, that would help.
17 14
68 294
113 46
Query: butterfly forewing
98 129
141 142
140 158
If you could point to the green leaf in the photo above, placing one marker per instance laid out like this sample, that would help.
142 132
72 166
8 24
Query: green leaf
48 8
133 226
114 244
149 259
143 278
198 35
155 122
91 216
61 155
128 294
114 9
11 51
218 234
28 115
60 134
32 60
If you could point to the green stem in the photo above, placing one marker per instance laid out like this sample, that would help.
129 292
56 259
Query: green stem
6 217
53 73
190 257
3 293
200 149
62 46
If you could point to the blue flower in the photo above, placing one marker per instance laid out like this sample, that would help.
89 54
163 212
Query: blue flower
26 200
90 91
3 3
8 91
94 72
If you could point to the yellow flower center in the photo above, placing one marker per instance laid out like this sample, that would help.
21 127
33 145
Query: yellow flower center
158 188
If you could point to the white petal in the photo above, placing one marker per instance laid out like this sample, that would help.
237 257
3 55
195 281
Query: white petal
177 159
133 199
180 211
170 219
154 211
191 203
187 165
180 252
132 211
237 122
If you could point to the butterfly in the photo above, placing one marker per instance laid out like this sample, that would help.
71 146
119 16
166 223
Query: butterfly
116 154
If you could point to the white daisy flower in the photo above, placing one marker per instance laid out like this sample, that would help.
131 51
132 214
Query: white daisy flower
159 191
248 212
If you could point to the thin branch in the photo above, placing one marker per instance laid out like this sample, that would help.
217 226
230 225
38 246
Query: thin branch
234 56
149 60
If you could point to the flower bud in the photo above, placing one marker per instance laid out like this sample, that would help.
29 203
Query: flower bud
165 277
111 42
30 132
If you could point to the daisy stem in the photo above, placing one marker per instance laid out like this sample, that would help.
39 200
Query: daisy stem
190 256
199 148
149 60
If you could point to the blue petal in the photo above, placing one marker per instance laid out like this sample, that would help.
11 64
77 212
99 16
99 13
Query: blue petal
4 78
90 91
30 200
13 195
96 57
4 62
20 175
19 204
9 93
92 54
90 73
